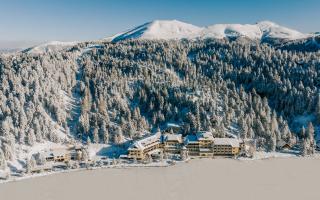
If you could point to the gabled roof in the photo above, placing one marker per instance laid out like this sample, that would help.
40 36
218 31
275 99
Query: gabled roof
282 143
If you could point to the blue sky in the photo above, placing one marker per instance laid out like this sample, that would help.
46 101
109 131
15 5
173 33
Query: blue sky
67 20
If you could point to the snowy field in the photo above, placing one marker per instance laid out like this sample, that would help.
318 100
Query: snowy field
277 178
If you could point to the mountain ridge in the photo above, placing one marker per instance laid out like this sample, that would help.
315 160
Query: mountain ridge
263 31
174 29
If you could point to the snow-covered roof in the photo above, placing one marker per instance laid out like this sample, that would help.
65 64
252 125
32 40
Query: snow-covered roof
227 141
172 137
204 135
172 125
231 135
145 142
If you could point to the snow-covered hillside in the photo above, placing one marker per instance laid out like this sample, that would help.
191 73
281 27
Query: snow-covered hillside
273 30
52 46
113 93
220 31
173 29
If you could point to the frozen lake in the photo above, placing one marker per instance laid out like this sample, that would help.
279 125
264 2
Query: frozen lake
282 178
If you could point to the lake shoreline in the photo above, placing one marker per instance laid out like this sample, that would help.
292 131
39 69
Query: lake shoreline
150 165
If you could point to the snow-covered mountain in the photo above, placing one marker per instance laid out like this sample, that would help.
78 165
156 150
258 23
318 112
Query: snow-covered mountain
173 29
161 29
265 31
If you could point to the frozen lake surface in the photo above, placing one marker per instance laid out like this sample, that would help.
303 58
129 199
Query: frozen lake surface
278 178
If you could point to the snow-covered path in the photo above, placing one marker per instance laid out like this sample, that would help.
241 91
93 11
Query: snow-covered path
76 98
75 112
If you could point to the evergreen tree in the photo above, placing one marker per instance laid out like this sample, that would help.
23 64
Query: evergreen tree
310 133
3 163
96 135
318 108
118 139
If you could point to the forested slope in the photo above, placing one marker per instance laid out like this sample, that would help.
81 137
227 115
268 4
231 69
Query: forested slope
131 87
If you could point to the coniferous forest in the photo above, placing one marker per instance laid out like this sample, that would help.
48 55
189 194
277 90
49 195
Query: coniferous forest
113 92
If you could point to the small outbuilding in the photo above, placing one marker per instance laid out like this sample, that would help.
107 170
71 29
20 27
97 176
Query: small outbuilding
282 145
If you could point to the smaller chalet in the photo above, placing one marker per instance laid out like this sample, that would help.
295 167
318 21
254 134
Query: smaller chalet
282 145
57 155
